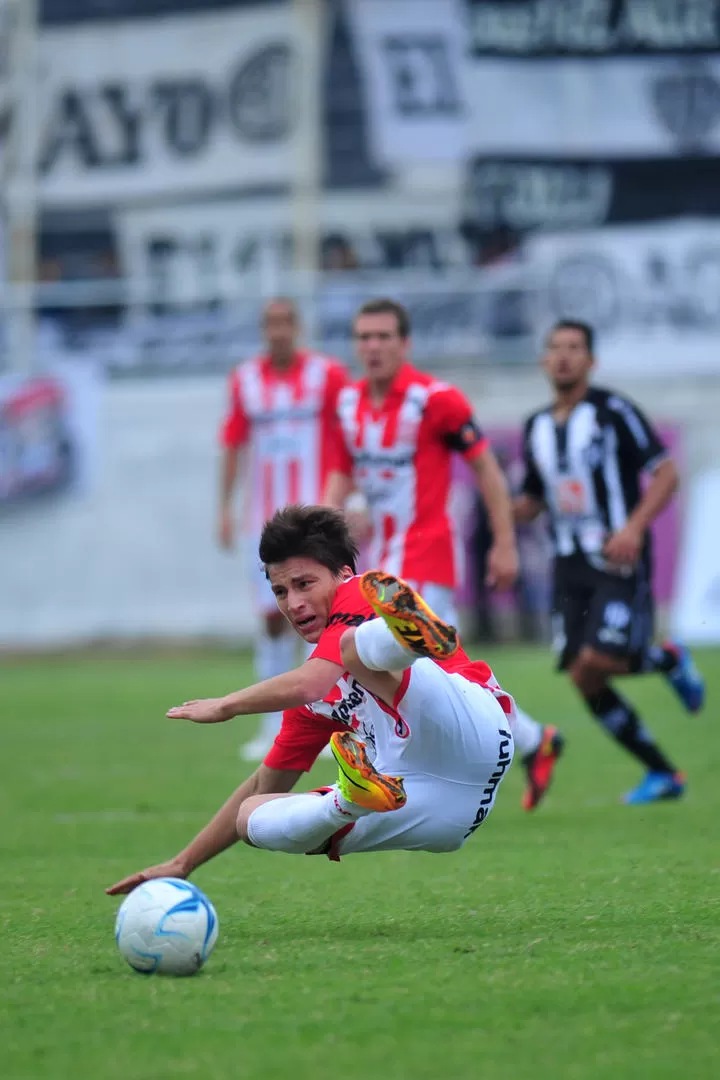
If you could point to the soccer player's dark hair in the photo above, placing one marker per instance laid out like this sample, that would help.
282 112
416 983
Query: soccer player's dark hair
575 324
281 301
383 305
312 532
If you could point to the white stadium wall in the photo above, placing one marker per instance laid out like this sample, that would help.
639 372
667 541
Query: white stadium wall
133 554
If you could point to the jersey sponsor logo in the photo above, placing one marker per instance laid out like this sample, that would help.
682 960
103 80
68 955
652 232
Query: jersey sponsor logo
344 705
276 416
572 497
399 460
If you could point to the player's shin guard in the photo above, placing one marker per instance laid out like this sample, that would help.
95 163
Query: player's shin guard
301 823
379 650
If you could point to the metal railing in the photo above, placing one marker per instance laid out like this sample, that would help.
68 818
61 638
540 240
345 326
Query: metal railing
471 316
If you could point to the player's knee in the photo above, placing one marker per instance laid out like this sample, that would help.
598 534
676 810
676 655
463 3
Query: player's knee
587 675
348 651
243 817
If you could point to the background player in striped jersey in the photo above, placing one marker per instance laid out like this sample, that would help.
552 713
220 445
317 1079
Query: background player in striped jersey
282 406
585 454
398 430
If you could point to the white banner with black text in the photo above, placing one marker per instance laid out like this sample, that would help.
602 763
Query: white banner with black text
651 292
187 104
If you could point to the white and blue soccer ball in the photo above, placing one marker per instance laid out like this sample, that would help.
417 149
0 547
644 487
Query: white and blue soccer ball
166 926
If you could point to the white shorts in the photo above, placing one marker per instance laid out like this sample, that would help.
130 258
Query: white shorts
457 752
441 599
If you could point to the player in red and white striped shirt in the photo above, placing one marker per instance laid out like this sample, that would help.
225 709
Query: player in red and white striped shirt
420 731
282 407
398 429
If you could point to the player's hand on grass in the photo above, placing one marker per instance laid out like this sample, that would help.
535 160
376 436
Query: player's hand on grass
173 868
624 546
213 710
502 566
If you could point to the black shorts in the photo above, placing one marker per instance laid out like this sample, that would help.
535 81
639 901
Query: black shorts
608 612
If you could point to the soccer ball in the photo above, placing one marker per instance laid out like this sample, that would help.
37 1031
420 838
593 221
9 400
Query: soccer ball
166 927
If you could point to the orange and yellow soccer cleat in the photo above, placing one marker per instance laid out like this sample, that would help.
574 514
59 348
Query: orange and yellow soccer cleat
410 620
359 782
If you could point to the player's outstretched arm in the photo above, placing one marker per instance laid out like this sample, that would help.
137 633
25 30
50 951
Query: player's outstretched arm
337 489
310 682
503 557
219 834
231 469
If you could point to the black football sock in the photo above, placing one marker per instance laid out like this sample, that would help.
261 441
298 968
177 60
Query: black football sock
621 721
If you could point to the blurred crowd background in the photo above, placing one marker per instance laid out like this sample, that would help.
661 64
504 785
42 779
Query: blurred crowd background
492 164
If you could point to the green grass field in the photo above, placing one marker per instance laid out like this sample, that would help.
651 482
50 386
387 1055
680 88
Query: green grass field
582 942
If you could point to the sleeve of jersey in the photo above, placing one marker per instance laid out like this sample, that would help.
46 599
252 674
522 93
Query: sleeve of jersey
350 608
235 428
337 377
642 441
450 414
301 737
532 483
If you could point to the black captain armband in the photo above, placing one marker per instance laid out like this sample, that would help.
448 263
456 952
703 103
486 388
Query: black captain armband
466 436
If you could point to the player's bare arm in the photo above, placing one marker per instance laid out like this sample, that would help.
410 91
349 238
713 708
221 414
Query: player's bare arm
503 557
342 493
625 545
309 682
219 834
231 466
338 488
526 508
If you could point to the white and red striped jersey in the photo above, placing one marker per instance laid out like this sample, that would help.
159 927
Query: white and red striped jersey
287 419
399 457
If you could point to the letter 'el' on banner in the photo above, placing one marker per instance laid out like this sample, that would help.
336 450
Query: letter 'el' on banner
696 611
413 59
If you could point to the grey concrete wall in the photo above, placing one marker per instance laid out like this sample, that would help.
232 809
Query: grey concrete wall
137 556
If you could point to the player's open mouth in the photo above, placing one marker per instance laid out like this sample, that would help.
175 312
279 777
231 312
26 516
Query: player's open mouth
305 624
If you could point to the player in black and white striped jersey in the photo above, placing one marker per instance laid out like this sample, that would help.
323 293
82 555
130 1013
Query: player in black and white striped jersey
585 455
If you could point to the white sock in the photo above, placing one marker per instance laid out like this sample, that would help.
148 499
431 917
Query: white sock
527 733
301 823
378 649
273 656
